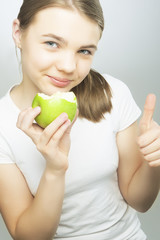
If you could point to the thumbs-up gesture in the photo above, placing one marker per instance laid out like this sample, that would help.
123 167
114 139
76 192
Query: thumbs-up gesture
149 133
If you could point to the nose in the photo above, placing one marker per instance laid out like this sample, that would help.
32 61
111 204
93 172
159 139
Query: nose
66 62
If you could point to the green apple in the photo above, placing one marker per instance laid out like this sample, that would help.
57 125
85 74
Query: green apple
52 106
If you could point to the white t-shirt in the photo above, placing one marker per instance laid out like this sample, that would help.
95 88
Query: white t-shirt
93 207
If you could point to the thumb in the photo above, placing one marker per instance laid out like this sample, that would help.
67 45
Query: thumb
148 112
71 125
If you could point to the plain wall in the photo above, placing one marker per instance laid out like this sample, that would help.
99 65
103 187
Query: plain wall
128 50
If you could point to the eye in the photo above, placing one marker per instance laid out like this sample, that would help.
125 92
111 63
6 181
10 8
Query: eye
51 44
85 52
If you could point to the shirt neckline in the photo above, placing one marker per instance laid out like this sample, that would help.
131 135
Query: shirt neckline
11 103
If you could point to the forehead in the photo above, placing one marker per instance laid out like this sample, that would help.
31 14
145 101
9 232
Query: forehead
66 23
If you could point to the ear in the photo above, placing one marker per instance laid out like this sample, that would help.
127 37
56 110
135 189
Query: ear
16 33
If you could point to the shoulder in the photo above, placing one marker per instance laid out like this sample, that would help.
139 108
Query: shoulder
8 118
8 109
117 86
125 110
3 101
121 94
4 108
5 120
8 132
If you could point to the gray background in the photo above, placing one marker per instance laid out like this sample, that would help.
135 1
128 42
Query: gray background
129 50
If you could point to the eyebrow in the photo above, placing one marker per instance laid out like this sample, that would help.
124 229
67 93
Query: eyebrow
60 39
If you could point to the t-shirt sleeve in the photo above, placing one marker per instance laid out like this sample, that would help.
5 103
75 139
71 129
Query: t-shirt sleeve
6 156
125 108
129 112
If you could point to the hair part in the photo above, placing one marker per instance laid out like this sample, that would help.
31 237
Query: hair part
90 8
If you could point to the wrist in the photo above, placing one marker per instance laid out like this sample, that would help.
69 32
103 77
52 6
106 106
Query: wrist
54 173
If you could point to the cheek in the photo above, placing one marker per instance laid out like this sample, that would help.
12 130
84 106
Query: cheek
41 60
37 58
84 68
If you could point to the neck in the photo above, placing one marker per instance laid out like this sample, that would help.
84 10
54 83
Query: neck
21 96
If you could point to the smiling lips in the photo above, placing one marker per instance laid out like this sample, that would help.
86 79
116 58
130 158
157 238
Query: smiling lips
59 82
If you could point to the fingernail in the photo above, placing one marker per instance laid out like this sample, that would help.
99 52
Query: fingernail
64 116
37 109
69 121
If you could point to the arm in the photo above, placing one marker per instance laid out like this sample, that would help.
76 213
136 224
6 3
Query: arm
26 217
37 218
139 182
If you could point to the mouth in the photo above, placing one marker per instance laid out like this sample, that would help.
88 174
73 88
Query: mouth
59 82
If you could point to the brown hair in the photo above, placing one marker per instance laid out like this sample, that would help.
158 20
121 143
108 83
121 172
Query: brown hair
93 93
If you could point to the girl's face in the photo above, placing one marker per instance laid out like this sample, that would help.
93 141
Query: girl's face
57 50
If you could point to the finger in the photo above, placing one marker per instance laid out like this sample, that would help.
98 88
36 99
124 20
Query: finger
65 140
20 117
152 156
74 120
59 136
148 112
148 137
149 108
51 129
27 117
155 163
153 147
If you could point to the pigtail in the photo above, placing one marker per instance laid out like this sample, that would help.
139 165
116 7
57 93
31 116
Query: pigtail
94 97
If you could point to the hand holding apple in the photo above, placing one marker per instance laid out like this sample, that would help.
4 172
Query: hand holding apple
53 141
